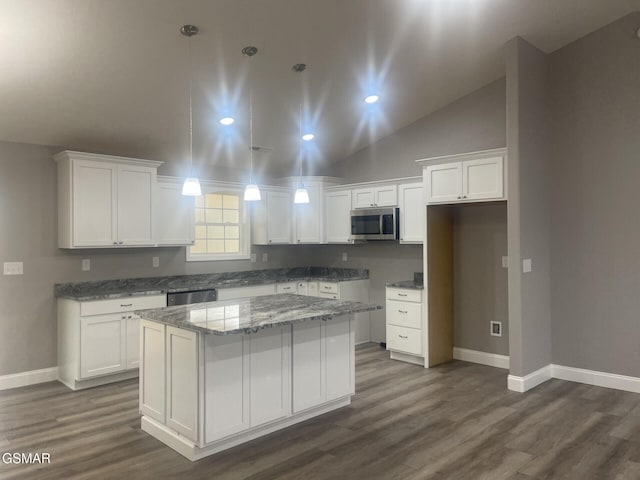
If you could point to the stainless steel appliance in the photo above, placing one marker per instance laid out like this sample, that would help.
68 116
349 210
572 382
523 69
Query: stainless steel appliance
194 296
375 224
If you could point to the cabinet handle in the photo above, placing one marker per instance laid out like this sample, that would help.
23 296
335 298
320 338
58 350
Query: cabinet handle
459 198
327 288
129 317
403 311
464 196
269 241
402 294
115 243
120 243
124 317
126 304
403 336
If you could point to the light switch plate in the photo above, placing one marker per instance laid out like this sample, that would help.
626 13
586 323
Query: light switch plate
505 261
13 268
155 261
526 265
344 256
265 257
86 264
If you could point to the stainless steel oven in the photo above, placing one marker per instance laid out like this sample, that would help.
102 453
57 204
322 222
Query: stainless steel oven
375 224
194 296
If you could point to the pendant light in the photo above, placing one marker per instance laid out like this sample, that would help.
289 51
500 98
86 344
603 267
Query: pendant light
251 191
191 185
301 195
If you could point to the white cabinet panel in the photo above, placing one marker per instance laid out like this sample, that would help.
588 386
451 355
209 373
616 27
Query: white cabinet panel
133 341
412 213
279 217
135 197
404 314
403 339
362 198
338 217
243 292
444 182
102 340
309 365
308 217
182 381
226 384
94 204
270 375
153 370
482 179
302 288
339 348
287 287
173 215
380 196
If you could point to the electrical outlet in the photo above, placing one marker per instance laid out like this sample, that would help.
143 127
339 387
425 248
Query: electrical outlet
496 329
526 265
344 256
505 261
86 264
265 257
13 268
155 261
253 258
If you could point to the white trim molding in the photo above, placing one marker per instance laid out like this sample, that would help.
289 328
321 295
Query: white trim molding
483 358
523 384
599 379
32 377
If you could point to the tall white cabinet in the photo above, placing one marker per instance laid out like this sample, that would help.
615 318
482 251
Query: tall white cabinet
105 201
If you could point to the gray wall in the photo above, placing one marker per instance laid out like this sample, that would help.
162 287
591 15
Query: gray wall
595 241
528 208
480 290
28 222
474 122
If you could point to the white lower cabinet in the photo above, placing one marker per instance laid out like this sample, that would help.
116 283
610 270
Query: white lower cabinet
152 370
103 339
405 324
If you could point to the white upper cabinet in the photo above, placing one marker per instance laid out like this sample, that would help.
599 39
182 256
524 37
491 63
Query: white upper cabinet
412 212
105 201
271 218
338 217
174 214
375 196
308 216
470 177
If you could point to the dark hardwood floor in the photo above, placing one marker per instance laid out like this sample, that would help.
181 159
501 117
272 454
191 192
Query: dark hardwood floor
457 421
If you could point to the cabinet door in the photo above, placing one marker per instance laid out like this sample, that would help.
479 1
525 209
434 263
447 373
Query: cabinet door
412 213
135 199
362 198
338 217
227 385
182 381
270 377
309 365
278 217
302 288
386 196
308 217
443 183
94 203
312 289
152 370
482 179
133 341
173 215
340 354
102 344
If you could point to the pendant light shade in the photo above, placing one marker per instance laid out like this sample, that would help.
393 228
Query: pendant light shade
301 195
252 193
191 185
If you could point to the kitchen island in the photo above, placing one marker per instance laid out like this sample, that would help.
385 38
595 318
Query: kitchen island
214 375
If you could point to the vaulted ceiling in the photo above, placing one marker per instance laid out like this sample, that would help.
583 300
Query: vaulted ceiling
111 76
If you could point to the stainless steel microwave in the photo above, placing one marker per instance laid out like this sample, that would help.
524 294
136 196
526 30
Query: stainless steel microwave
375 224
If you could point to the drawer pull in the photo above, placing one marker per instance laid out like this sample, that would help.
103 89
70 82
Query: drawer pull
402 294
403 311
126 304
403 336
327 288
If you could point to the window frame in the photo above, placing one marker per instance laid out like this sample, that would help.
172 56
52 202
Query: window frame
244 225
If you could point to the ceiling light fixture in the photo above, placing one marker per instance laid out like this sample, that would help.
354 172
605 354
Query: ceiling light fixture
251 191
227 120
307 137
191 185
301 195
372 99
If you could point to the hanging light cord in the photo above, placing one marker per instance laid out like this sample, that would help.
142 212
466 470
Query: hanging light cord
300 127
250 126
190 112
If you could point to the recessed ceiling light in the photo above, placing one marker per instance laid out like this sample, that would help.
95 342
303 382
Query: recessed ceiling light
307 137
372 99
227 120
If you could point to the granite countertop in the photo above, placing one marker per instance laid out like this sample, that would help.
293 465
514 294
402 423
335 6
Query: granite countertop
248 315
130 287
406 284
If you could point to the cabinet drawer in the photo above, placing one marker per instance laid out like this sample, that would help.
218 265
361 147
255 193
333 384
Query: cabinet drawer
404 295
124 304
403 339
335 296
287 287
404 314
328 287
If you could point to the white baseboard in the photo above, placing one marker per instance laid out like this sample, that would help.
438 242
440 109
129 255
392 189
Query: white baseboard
32 377
523 384
484 358
599 379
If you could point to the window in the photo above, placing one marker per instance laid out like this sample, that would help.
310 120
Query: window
221 228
